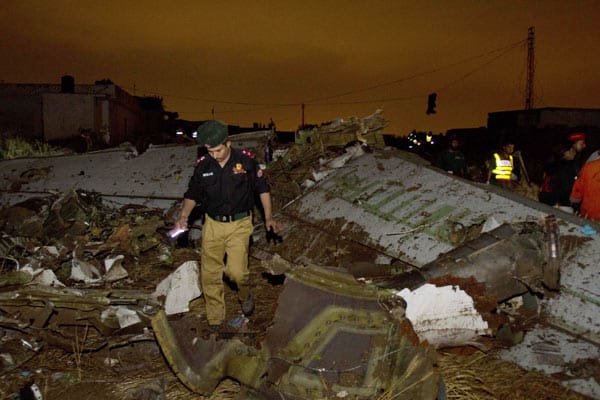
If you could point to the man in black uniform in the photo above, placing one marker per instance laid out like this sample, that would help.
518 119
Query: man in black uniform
224 184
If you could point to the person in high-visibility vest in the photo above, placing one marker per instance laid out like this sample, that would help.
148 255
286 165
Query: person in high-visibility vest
501 168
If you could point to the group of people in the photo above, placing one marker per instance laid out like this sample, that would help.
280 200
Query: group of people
569 181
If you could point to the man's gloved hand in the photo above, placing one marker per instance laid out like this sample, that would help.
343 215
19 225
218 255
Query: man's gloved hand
272 236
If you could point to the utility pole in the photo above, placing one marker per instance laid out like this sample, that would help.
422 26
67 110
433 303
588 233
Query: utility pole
302 126
530 67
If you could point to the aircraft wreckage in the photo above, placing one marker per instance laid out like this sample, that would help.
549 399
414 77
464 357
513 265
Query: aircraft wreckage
384 257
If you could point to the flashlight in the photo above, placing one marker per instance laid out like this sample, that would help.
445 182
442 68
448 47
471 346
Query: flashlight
173 233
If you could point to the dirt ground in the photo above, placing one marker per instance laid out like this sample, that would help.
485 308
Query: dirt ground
87 368
139 371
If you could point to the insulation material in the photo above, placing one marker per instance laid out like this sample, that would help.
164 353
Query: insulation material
443 316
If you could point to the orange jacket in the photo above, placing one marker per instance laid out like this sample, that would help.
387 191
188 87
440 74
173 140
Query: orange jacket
587 189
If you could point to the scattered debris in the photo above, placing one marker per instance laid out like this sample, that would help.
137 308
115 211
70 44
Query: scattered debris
340 132
320 315
87 278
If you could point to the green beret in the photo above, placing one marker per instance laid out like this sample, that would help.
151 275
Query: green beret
212 133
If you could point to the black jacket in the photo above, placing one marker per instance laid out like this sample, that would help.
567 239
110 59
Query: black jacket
228 190
559 177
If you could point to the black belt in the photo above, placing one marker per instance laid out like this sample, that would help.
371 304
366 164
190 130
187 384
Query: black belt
230 218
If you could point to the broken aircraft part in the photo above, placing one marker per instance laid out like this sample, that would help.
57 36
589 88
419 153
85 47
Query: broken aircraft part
341 132
321 314
52 314
385 209
509 261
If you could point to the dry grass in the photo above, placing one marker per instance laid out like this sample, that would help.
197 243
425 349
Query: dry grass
17 147
476 376
484 377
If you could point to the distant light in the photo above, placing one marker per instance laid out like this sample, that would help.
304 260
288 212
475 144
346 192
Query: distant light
179 132
195 134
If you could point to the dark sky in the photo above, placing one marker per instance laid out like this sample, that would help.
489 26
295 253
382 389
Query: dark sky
256 60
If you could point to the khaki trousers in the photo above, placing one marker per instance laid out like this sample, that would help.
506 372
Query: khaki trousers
218 239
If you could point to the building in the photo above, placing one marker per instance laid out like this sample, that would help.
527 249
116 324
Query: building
544 118
60 112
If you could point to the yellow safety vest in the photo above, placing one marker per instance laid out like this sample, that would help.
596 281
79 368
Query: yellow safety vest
504 167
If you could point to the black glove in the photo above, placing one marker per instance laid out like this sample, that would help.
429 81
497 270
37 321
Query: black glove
272 236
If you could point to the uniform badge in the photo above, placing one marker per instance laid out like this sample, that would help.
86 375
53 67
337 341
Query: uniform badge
239 169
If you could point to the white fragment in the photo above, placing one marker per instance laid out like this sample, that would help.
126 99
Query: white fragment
490 224
109 262
114 269
124 315
47 277
84 271
179 288
444 316
110 362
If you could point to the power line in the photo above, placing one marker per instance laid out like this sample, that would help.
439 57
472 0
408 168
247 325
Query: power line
465 76
237 111
314 102
239 103
393 99
418 75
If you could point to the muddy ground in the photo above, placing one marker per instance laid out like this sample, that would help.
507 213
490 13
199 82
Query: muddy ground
81 363
139 371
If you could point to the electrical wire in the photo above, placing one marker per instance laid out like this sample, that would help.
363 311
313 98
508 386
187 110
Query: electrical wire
319 100
217 101
418 75
239 111
465 76
419 96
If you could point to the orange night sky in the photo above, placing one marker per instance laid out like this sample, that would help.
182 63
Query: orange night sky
256 60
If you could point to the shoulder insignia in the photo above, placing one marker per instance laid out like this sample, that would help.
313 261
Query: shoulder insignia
248 153
199 160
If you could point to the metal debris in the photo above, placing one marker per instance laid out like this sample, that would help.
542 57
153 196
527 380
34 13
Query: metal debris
321 314
384 216
341 132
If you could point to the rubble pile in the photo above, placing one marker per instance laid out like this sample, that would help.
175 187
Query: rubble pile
71 264
301 167
341 132
374 281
